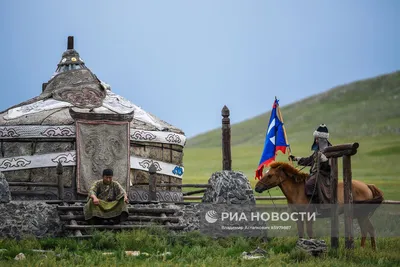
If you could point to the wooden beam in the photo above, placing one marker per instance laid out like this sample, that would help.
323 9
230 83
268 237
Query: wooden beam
338 154
334 210
100 116
270 198
39 140
391 202
130 218
348 201
122 226
65 201
179 185
33 184
194 192
341 147
130 209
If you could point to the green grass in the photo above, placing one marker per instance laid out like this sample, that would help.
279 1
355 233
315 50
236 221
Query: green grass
191 249
367 112
375 162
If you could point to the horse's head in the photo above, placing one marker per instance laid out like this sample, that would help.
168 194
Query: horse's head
278 173
269 180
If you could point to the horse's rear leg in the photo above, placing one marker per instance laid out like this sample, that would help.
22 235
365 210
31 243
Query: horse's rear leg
364 230
300 228
371 231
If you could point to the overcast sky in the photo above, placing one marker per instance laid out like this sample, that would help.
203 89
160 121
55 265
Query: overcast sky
184 60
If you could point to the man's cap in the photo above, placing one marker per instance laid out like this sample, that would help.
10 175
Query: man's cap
108 172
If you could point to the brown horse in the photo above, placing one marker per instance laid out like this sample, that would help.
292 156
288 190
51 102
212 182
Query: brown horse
292 182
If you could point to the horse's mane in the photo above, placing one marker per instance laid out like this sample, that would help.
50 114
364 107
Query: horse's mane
297 175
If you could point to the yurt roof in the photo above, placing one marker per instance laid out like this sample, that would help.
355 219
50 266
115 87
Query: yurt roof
74 86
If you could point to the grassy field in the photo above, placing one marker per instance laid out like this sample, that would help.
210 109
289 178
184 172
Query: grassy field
377 162
367 112
191 249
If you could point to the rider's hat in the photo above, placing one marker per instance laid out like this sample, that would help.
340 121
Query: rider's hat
321 132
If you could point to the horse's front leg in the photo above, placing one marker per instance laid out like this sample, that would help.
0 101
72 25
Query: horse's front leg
300 228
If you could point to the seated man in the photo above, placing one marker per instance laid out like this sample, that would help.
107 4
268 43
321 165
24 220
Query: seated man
107 200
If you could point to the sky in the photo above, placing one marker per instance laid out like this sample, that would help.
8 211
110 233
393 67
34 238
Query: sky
184 60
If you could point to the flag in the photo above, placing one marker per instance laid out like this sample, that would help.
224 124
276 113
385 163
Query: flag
275 140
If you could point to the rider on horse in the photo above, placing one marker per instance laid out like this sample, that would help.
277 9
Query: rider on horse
317 186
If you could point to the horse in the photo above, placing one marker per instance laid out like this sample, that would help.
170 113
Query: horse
292 183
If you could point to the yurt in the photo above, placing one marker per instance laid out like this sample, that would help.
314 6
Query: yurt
79 121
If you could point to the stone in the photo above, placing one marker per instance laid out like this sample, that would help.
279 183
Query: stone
258 253
312 246
19 257
132 253
5 194
229 187
34 219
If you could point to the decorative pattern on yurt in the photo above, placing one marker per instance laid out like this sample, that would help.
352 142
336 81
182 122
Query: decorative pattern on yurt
77 120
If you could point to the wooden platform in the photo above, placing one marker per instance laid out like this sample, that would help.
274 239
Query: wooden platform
139 218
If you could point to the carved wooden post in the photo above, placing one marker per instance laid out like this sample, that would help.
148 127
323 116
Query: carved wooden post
348 202
334 207
226 140
59 181
152 183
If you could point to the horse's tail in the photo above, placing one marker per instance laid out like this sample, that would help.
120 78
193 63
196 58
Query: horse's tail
377 194
375 201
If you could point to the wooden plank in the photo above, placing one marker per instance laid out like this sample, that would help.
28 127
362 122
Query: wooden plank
338 154
33 184
66 201
194 192
391 202
257 198
334 210
76 115
352 146
130 209
33 193
130 218
348 201
41 139
270 198
178 185
122 226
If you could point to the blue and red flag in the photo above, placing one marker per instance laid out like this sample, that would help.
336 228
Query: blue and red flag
275 140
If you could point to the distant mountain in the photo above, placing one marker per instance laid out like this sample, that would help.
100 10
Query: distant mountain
365 108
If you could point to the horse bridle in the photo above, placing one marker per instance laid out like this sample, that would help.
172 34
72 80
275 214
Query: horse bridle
280 180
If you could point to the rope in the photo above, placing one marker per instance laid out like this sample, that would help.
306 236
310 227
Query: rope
272 199
316 179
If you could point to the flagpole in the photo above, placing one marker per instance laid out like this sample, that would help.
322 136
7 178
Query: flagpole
284 133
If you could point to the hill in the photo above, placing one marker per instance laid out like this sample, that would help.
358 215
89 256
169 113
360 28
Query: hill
366 111
367 108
